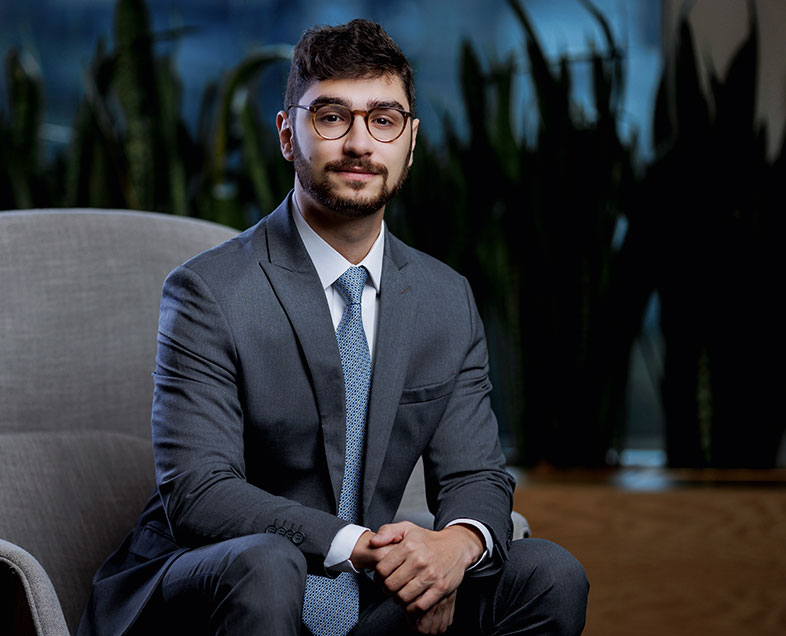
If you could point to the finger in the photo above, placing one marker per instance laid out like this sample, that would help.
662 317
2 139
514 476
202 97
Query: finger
410 579
451 610
391 562
406 559
409 594
443 612
389 533
427 624
435 620
381 540
424 602
382 552
412 553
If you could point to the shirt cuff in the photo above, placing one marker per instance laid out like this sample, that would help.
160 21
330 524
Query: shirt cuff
337 559
486 537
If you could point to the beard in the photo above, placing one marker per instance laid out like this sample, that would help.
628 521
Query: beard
322 190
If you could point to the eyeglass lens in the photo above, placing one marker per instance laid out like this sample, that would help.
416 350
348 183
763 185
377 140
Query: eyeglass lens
333 120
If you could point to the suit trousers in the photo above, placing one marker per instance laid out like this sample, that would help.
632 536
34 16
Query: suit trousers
254 585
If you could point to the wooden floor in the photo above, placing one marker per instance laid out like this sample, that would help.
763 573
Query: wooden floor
670 554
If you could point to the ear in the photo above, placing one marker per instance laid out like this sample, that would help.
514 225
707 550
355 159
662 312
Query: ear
285 134
415 126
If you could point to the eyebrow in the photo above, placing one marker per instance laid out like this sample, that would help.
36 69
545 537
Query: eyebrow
374 103
328 99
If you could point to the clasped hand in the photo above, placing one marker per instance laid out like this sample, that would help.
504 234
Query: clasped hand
421 568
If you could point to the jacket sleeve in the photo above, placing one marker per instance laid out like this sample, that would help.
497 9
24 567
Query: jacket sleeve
464 464
198 433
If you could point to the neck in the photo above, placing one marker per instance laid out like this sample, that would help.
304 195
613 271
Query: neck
352 237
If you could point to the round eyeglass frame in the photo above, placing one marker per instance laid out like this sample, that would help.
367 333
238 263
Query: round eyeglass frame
365 113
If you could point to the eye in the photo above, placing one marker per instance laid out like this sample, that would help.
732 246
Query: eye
384 118
332 115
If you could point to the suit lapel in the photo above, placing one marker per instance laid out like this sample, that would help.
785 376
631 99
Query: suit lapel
297 287
396 312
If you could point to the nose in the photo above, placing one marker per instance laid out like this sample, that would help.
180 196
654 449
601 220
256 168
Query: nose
358 141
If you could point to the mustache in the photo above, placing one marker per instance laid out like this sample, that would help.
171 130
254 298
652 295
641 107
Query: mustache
366 165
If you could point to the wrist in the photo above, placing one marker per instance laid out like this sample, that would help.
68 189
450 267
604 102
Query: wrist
339 554
362 551
472 540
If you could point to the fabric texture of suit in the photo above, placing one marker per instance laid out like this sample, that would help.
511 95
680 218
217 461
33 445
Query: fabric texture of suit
248 411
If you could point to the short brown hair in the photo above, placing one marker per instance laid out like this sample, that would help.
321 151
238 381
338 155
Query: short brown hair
359 49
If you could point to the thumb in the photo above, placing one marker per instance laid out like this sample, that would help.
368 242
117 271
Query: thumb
387 534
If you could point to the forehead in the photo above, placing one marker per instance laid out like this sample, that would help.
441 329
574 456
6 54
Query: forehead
359 93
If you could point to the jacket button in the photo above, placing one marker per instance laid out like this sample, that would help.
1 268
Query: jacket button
271 529
298 538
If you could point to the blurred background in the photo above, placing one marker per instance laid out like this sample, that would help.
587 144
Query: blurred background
610 176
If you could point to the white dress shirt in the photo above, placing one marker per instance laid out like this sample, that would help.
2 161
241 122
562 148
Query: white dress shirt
330 265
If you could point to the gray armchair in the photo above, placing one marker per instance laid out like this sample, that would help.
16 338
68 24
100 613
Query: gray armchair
79 295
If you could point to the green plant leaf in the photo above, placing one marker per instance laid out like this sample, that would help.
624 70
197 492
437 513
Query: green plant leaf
236 80
25 89
135 87
172 133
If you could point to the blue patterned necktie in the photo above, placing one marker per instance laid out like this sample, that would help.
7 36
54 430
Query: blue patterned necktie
330 606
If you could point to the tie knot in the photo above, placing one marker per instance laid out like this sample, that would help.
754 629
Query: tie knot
350 284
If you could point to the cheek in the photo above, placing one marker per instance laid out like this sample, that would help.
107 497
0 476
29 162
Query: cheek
315 156
305 149
399 164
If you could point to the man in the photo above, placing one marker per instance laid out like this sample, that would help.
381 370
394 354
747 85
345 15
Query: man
302 369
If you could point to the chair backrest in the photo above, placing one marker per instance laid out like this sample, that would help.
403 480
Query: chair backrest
79 296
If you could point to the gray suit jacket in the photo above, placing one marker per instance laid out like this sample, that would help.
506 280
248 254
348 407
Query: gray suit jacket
248 411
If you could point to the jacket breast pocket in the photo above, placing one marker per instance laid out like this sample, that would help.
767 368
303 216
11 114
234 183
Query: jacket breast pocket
428 392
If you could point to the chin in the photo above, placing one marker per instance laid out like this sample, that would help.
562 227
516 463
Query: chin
353 208
351 204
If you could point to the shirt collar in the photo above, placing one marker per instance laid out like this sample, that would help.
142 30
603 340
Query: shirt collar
329 263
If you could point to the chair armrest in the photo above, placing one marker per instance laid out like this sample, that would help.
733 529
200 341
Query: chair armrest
41 599
520 526
414 508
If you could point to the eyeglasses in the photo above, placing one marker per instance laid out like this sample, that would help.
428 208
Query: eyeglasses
333 121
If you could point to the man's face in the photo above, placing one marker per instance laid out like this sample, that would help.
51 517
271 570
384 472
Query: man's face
355 175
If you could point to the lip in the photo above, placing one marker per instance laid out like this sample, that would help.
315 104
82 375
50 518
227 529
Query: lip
353 173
